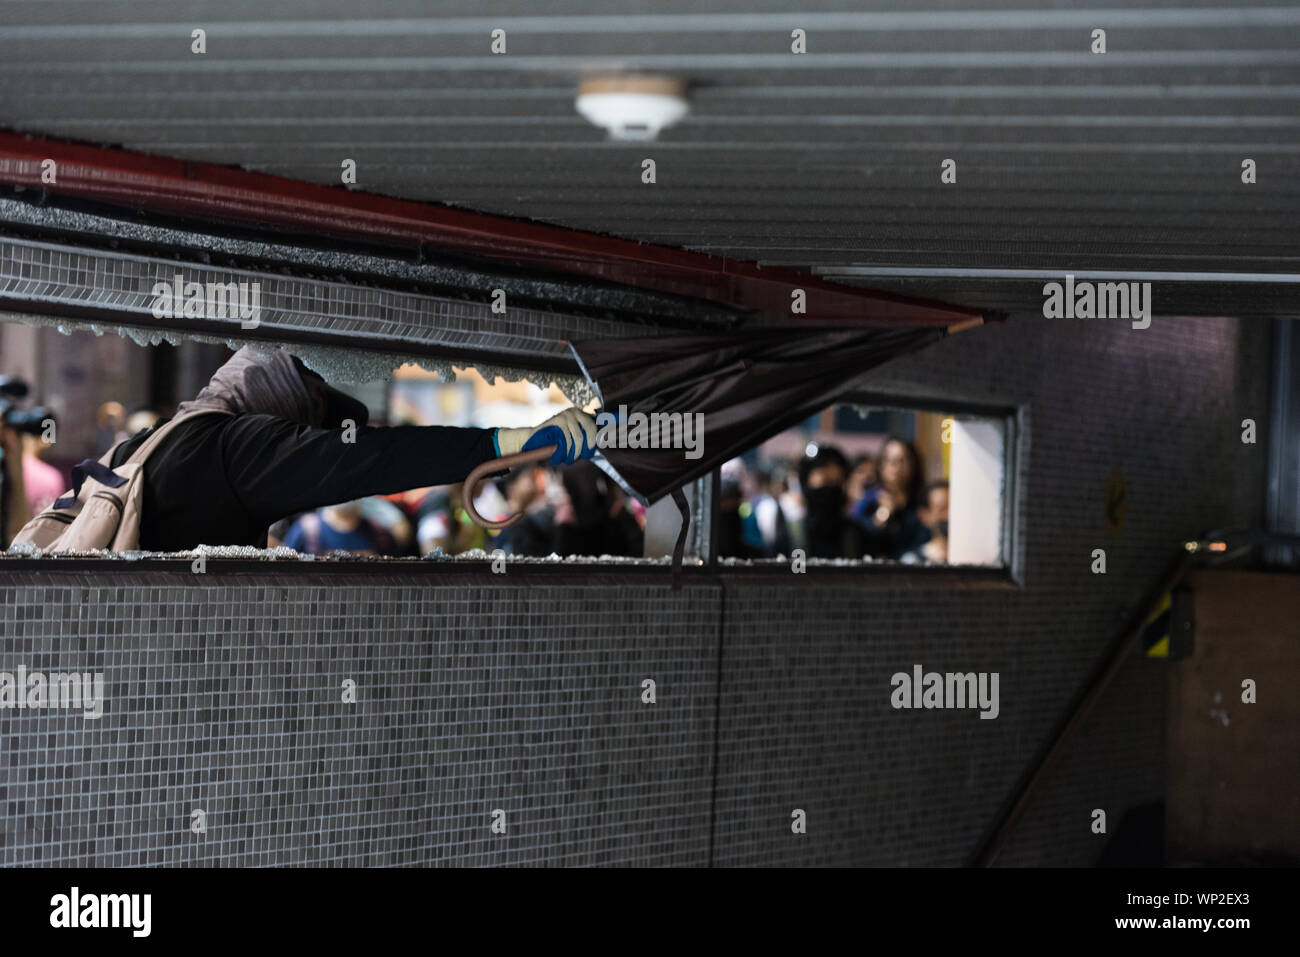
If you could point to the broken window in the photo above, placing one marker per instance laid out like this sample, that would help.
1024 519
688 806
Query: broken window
103 388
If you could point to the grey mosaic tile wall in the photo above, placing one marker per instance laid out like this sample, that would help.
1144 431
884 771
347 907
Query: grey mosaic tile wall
805 715
227 697
475 695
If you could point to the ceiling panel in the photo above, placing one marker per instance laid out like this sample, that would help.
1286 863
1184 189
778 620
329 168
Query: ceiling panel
829 160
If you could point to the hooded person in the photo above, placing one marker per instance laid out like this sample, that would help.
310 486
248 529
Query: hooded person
821 478
280 441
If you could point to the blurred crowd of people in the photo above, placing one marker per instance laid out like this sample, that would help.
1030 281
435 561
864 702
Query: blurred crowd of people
577 510
876 508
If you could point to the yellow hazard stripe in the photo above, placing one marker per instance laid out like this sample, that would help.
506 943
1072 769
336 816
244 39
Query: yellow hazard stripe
1159 648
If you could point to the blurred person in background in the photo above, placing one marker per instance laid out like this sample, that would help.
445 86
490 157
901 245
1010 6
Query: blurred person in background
827 531
44 482
862 478
731 536
792 504
398 536
275 534
634 508
443 523
141 419
27 484
409 502
888 515
525 491
934 516
766 515
110 424
595 520
738 533
13 486
336 527
399 531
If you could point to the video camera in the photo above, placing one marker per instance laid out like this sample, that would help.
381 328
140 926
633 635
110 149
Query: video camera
26 421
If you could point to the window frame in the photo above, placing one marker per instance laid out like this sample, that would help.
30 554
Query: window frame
701 559
1010 568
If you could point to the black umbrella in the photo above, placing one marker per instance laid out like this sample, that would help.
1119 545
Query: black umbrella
721 394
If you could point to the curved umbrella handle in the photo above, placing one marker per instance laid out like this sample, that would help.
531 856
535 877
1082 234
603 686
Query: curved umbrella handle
497 465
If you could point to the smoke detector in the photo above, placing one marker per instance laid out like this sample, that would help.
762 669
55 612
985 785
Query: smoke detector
633 108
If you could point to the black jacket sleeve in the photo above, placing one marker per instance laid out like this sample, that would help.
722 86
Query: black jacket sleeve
276 467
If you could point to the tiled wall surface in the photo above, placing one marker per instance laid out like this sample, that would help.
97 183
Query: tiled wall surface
227 697
475 694
805 716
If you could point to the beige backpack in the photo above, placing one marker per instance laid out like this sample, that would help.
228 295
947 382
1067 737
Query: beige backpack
102 510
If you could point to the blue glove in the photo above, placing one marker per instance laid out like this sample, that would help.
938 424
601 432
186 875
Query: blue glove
572 432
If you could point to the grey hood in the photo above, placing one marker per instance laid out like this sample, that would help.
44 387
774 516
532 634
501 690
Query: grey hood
271 383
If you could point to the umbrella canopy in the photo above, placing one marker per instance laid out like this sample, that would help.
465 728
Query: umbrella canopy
722 394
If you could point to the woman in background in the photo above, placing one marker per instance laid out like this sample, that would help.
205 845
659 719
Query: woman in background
887 514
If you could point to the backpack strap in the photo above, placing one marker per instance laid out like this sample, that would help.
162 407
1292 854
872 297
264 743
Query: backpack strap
88 468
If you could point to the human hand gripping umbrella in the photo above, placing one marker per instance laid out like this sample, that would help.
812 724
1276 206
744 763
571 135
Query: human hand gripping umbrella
564 438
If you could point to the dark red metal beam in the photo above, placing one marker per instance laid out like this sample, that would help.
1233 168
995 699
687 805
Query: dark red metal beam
208 191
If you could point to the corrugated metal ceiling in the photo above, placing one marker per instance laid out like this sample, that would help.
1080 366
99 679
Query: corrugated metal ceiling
830 160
